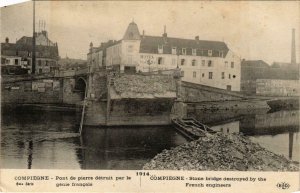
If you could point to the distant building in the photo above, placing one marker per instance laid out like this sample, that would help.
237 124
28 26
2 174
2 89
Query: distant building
97 55
204 62
256 74
71 64
20 53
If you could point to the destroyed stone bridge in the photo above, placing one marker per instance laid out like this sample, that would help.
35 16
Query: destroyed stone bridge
113 98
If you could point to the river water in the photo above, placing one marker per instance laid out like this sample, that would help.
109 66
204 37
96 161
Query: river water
41 140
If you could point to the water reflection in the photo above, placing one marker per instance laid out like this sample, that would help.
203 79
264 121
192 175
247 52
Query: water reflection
276 131
36 140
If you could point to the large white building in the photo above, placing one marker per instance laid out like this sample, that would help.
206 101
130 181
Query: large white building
203 62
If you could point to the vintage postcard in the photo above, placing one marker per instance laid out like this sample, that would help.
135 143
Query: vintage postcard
150 96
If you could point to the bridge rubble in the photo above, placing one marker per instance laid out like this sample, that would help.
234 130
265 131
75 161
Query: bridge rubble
221 152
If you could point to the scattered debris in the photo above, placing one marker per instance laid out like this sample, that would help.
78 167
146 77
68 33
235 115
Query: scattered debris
144 84
221 152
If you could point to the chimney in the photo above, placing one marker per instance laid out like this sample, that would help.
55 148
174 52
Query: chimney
293 54
196 37
143 33
165 32
6 40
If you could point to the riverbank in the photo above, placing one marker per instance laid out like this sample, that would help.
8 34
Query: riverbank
225 152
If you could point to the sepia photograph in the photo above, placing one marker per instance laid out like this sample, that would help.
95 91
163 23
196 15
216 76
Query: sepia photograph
150 85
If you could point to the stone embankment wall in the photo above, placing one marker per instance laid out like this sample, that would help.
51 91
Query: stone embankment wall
196 93
34 91
39 90
272 87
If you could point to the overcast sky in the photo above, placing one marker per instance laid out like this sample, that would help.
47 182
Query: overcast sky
253 30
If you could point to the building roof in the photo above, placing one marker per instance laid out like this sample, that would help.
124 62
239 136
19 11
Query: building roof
254 64
23 50
24 40
149 44
132 32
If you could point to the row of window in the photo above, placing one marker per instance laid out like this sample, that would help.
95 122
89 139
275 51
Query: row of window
160 61
194 51
210 75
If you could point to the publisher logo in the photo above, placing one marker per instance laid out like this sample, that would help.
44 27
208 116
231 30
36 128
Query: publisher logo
283 185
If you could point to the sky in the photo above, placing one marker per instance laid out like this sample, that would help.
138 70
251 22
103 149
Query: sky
256 30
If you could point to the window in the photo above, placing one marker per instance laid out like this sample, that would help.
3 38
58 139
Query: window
194 74
223 75
209 64
40 71
233 76
129 48
194 62
210 75
16 61
229 76
160 61
203 62
173 61
232 64
160 49
226 64
209 52
182 62
221 54
203 75
39 62
174 50
194 52
46 63
183 51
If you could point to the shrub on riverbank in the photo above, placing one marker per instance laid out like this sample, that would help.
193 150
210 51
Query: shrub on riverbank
221 152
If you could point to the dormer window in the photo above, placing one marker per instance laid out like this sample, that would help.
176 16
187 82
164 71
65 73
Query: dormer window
160 49
194 52
183 51
174 50
209 52
221 54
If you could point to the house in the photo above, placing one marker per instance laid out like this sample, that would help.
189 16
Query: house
205 62
20 53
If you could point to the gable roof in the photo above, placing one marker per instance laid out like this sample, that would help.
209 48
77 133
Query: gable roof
149 44
24 40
